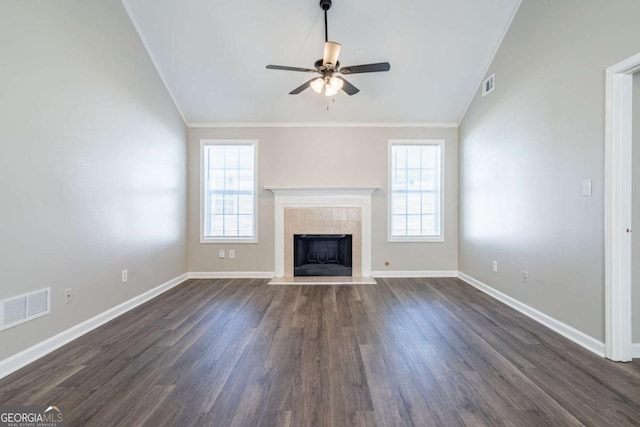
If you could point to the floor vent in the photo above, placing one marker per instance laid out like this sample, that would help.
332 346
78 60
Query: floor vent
20 309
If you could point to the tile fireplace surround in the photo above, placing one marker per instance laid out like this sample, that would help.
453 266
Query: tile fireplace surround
340 220
322 210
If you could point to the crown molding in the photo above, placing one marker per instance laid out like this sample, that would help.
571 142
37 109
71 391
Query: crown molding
321 125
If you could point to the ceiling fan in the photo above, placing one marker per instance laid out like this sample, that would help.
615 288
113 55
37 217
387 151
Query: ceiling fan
331 80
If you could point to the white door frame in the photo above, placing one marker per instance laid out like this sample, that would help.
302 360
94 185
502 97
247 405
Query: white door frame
618 143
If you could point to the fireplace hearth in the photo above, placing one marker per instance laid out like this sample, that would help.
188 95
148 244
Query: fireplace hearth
322 255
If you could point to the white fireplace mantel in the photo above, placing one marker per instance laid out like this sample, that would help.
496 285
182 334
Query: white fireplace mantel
336 190
322 196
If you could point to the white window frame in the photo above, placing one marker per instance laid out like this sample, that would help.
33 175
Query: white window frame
209 239
418 239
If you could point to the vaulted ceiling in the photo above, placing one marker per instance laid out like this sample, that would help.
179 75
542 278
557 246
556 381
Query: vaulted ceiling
212 56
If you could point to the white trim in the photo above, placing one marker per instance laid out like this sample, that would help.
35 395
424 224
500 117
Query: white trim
31 354
635 350
439 212
321 190
231 275
563 329
229 240
136 26
416 274
491 59
618 164
321 125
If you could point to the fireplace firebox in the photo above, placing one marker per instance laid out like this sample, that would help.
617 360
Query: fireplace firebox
322 254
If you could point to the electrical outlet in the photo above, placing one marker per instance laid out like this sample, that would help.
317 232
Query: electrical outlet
221 253
525 277
495 266
68 295
125 276
232 253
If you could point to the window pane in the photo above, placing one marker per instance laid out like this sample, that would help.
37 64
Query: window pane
245 205
246 180
246 157
245 225
399 203
429 155
414 156
231 155
413 179
399 225
414 226
428 203
428 177
217 222
400 154
414 203
216 157
231 225
429 225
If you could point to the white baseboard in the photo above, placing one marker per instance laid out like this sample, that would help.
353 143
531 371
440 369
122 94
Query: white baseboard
416 274
563 329
232 275
635 350
31 354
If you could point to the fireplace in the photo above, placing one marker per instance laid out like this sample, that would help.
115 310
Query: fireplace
322 254
322 210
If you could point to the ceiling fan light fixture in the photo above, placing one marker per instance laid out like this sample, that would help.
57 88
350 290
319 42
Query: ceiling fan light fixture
329 91
336 83
317 85
328 66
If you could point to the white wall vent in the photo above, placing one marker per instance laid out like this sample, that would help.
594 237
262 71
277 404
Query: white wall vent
488 85
22 308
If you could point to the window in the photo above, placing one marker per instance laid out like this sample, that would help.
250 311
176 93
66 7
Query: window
416 174
228 204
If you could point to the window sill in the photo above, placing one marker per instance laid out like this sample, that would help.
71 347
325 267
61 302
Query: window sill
222 241
416 239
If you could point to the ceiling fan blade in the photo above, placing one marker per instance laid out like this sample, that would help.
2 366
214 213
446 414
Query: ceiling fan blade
285 68
331 53
349 88
367 68
302 87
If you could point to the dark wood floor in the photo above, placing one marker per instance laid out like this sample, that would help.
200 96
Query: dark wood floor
404 352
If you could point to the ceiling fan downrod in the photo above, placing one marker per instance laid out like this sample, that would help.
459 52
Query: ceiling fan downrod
325 5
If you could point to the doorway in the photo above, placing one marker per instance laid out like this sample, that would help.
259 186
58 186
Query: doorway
618 209
635 219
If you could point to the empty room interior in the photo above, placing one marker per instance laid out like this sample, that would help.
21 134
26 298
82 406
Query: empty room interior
316 212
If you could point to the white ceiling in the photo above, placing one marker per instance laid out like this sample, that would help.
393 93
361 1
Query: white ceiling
212 56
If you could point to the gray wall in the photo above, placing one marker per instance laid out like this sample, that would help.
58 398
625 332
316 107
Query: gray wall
325 156
93 164
525 149
635 219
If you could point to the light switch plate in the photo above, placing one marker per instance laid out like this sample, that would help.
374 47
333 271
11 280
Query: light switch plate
221 253
586 187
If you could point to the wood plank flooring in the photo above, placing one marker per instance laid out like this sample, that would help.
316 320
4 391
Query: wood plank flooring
405 352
